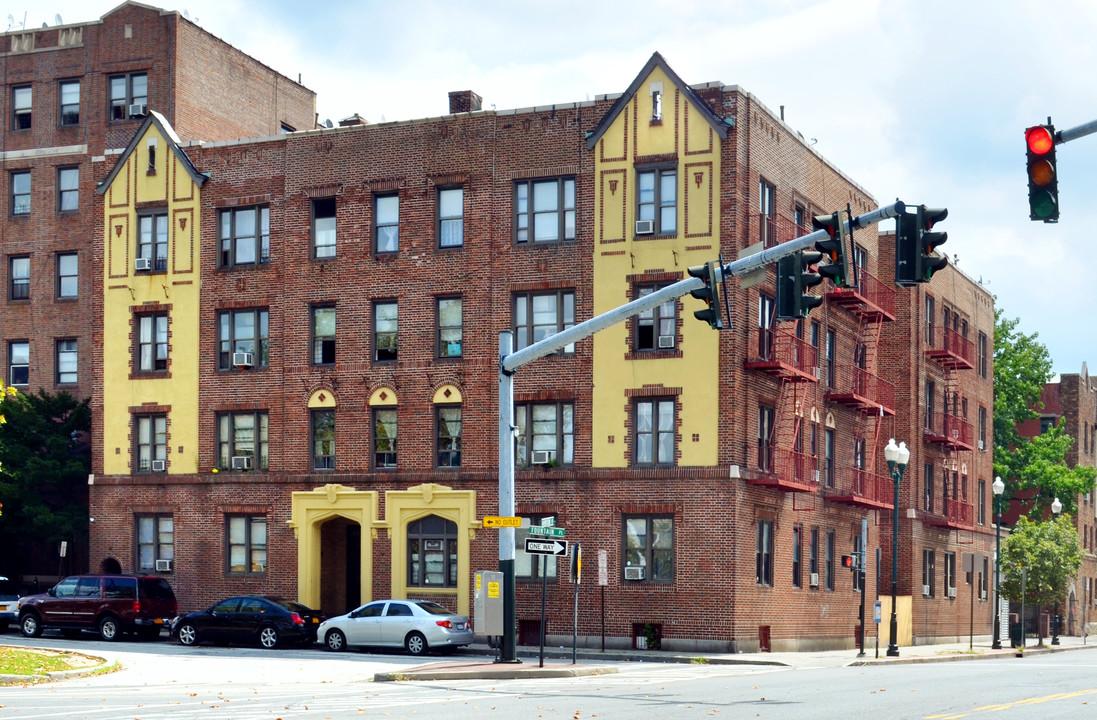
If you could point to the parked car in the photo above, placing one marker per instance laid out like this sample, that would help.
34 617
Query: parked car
249 619
109 604
418 626
9 603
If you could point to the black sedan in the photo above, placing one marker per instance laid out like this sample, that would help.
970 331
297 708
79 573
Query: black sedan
249 619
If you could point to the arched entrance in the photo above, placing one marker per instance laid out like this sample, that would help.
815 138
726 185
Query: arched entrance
340 566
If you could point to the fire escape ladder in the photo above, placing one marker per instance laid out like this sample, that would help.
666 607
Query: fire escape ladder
869 337
786 427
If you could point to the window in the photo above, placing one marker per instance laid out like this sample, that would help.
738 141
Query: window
152 240
528 566
152 443
930 314
927 495
323 335
950 573
797 555
245 236
450 327
767 212
152 342
21 104
546 429
765 438
385 322
18 362
451 217
813 557
68 189
66 361
982 428
931 393
537 317
155 540
649 544
68 279
657 195
20 277
243 441
448 435
830 559
432 552
763 556
982 502
323 228
544 210
929 586
247 543
384 438
243 331
386 224
323 439
125 91
982 358
831 353
828 457
653 431
20 192
656 328
69 96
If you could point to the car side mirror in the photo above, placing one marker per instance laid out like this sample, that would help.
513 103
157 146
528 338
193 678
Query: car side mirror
52 592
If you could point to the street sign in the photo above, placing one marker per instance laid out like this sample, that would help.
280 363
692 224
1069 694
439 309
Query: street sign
494 521
546 547
549 531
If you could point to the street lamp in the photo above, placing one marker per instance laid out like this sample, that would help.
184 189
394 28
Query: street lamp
998 487
1056 508
897 457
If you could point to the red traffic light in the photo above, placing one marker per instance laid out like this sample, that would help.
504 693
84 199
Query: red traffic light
1040 140
847 561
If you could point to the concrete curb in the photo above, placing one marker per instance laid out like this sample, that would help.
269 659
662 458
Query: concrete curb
491 671
58 674
1003 654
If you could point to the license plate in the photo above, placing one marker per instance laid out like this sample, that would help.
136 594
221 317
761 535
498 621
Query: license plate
460 626
316 621
159 621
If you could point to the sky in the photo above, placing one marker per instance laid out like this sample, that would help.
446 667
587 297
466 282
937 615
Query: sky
921 100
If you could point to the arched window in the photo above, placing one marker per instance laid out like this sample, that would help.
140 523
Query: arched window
432 552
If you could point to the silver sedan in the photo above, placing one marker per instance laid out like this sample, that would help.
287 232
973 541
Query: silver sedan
418 626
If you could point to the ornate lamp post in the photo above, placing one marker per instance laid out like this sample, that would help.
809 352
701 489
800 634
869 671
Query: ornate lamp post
1056 508
897 458
998 487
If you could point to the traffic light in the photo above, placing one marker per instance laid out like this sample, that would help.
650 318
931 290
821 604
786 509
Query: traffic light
712 274
915 245
930 260
834 248
1043 180
849 561
794 278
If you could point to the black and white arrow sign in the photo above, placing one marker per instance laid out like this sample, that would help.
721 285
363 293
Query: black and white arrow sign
537 546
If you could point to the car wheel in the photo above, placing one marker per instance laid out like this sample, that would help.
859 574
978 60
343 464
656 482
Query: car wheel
415 643
108 628
335 640
188 634
30 625
268 637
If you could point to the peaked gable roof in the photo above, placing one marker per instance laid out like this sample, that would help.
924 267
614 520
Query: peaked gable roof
719 124
165 128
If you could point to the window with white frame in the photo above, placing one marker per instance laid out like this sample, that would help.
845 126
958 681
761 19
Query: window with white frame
152 342
18 362
152 240
386 316
384 438
246 544
546 434
386 224
68 189
323 228
323 335
544 210
155 536
19 286
657 199
68 277
151 439
450 327
656 329
451 217
448 435
20 192
22 106
654 428
540 315
66 361
69 97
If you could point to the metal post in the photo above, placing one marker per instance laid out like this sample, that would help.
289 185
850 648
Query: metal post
997 644
508 651
861 577
893 645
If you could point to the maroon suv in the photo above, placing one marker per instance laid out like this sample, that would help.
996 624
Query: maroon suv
109 604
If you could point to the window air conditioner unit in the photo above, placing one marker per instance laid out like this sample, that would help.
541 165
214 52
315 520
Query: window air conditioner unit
159 465
925 591
138 110
952 592
645 227
241 462
815 372
142 264
543 457
163 566
243 359
815 476
666 341
814 580
980 445
982 594
634 573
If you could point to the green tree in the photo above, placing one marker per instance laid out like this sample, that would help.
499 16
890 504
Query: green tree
1050 555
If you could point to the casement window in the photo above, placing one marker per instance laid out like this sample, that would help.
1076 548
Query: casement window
323 228
129 95
152 342
68 94
151 439
323 439
450 327
155 536
66 362
432 552
797 555
649 544
929 561
763 556
21 106
241 332
246 544
546 434
323 335
538 316
18 362
526 566
68 278
386 224
243 441
384 438
447 437
19 273
654 428
451 217
544 210
244 235
765 438
68 189
20 192
657 200
830 559
385 327
152 241
656 329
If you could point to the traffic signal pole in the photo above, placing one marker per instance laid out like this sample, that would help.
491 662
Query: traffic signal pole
1074 133
510 361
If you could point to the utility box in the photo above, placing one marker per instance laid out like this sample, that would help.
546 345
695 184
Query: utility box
487 603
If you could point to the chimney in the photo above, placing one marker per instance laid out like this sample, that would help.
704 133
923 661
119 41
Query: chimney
354 119
462 101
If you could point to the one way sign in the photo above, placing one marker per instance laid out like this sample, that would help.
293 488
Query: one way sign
538 546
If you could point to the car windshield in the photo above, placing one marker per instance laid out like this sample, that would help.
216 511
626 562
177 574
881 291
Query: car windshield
434 608
292 606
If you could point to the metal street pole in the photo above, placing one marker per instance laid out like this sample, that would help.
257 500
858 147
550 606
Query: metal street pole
998 487
897 458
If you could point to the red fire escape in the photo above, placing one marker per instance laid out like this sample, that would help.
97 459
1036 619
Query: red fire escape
949 430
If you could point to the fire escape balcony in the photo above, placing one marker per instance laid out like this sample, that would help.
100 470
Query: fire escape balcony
950 349
870 298
858 388
784 355
949 430
854 486
774 230
785 470
958 516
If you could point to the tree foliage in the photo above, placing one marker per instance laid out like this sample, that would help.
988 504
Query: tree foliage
1050 554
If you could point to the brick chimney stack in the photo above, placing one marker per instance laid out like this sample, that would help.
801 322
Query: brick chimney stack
462 101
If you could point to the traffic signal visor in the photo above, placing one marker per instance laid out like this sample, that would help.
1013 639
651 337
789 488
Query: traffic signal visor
834 248
710 274
1043 186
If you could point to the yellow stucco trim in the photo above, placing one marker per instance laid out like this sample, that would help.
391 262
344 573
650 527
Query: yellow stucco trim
447 395
322 399
383 396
